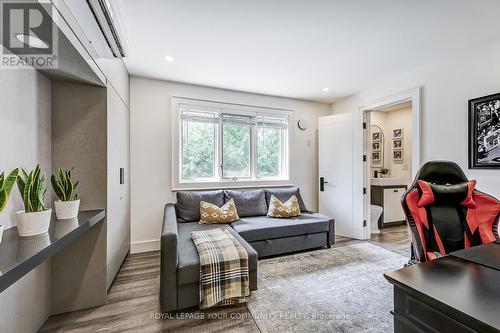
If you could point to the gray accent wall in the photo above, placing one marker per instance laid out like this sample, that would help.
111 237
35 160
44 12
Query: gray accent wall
25 129
79 131
25 134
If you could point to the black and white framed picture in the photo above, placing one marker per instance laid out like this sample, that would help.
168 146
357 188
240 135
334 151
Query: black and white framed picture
397 133
376 145
397 144
397 155
484 132
376 157
376 136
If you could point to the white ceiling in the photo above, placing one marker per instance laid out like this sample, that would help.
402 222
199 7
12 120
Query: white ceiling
295 48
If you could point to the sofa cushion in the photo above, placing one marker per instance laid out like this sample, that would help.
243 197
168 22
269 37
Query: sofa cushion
189 260
188 203
261 228
248 203
283 194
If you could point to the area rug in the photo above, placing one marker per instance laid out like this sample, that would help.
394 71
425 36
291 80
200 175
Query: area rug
332 290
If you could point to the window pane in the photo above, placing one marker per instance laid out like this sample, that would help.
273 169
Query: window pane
268 152
235 150
198 149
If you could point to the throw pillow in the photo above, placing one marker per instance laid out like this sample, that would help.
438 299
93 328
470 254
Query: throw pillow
277 208
212 214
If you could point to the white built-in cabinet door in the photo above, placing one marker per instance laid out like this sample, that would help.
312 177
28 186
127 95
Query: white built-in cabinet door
392 205
118 220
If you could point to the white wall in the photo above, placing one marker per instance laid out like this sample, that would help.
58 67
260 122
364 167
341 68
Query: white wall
446 88
25 130
151 148
389 121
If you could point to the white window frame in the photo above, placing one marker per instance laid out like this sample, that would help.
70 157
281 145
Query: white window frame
218 181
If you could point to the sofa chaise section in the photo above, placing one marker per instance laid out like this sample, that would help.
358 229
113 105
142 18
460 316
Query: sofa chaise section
180 263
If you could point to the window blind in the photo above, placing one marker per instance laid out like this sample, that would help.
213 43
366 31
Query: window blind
272 122
193 113
238 119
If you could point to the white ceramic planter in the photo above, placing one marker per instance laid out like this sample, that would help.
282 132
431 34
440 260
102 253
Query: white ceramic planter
1 232
32 224
67 209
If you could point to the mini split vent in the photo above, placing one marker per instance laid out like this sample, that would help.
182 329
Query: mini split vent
107 20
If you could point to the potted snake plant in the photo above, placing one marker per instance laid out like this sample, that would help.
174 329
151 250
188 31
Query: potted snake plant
35 218
68 204
6 184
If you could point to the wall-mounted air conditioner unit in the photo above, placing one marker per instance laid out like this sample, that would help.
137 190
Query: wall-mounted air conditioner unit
106 15
97 24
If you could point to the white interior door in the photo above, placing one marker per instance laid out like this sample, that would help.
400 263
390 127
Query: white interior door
341 139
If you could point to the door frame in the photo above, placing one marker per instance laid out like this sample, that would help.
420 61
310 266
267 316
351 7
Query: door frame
412 95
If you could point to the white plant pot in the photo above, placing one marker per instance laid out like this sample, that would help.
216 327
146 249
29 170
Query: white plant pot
1 232
67 209
32 224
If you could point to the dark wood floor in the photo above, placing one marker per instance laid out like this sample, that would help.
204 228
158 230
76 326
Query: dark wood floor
133 304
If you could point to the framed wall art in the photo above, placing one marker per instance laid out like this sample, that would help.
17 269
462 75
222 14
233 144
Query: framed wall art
484 132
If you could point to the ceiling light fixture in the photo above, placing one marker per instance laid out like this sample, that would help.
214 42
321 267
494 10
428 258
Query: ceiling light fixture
32 41
325 89
169 59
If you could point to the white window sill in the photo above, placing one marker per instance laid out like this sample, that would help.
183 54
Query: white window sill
228 186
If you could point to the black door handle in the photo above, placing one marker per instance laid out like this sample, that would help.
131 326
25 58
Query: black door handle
322 184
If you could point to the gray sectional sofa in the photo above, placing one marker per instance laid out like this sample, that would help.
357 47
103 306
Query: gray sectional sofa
260 235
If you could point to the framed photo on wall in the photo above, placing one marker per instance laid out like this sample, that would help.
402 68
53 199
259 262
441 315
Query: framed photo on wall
397 133
376 136
484 132
397 155
376 157
397 144
376 145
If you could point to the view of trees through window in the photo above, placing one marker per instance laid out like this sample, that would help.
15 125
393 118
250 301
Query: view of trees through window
236 146
268 152
236 150
198 149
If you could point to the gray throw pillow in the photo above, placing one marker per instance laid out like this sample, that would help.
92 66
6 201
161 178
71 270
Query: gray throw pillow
248 203
188 203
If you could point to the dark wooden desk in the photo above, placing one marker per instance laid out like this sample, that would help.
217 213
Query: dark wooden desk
448 294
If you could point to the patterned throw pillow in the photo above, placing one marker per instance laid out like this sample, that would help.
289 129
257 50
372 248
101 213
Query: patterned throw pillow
212 214
290 208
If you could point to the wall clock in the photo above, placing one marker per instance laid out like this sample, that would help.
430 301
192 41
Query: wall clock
302 124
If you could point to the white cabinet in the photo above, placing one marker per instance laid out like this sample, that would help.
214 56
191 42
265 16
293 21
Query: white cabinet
388 196
393 212
117 183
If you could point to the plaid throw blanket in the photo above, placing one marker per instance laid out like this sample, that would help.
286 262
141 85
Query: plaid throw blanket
223 268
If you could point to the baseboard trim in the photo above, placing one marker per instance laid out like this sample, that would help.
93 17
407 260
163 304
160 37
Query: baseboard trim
145 246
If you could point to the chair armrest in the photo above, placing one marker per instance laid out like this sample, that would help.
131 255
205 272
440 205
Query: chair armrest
169 260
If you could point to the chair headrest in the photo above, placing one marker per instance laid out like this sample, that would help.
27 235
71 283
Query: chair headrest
455 194
441 172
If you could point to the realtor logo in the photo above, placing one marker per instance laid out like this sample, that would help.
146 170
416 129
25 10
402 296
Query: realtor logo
28 35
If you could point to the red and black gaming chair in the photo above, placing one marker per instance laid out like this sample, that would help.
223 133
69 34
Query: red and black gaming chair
446 213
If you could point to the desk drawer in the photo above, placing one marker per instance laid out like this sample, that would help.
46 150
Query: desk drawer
426 318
